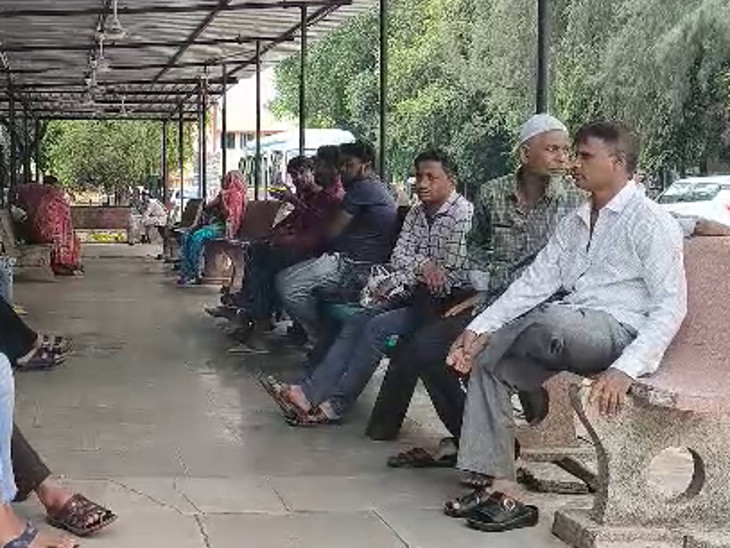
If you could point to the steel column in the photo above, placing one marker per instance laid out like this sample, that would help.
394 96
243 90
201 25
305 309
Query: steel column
181 157
204 150
38 150
13 140
303 83
163 167
26 146
224 122
543 52
383 153
257 160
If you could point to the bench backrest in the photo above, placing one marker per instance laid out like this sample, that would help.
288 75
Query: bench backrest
695 372
258 219
190 212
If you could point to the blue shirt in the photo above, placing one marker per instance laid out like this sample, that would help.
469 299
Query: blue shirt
368 237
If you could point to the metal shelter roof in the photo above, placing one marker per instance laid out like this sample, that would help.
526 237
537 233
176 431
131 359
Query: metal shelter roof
47 50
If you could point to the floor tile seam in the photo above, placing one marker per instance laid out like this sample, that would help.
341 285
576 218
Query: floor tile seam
147 496
390 528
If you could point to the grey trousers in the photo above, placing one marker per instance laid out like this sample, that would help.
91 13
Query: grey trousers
522 356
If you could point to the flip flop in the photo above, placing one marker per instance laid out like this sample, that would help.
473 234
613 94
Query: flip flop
26 538
43 360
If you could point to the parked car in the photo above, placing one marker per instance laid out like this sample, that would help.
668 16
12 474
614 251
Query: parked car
707 197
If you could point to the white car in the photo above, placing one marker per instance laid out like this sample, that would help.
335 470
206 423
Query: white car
707 197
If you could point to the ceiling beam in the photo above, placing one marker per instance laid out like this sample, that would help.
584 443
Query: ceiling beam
112 83
238 40
166 9
192 37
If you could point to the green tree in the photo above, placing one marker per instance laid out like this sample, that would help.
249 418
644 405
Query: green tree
108 155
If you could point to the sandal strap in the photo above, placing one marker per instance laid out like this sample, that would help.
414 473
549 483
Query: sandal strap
77 511
25 539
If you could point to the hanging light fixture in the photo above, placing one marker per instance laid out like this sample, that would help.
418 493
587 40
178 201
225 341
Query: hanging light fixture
114 31
103 66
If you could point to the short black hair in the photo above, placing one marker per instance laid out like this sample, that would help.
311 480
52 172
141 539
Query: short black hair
299 163
360 149
437 155
329 154
615 134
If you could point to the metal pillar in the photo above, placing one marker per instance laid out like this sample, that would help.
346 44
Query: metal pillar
163 167
383 89
303 84
181 157
543 52
26 145
38 150
204 126
224 121
13 140
257 160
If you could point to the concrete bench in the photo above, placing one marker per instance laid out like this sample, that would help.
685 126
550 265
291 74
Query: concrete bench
224 258
32 262
686 404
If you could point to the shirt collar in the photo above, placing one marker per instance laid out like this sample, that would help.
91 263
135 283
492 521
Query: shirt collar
448 204
617 204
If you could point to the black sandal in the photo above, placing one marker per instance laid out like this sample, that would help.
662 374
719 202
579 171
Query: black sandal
43 360
26 538
57 344
315 417
461 507
418 457
474 480
502 513
81 517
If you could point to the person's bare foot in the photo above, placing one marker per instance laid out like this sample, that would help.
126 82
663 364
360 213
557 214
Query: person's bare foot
52 496
11 527
32 352
297 397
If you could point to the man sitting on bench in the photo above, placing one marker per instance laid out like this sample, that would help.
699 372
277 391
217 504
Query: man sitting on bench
514 216
427 271
604 298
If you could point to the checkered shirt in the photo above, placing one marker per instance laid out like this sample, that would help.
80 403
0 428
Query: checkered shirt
440 238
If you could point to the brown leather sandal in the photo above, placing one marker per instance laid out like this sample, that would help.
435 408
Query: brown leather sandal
81 517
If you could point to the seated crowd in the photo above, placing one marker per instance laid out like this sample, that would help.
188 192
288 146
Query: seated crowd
564 265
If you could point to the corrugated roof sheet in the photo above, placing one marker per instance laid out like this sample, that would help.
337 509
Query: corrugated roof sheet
46 47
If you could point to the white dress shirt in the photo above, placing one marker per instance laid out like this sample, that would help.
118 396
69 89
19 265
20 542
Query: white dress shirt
631 267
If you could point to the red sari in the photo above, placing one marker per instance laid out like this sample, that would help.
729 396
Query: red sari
49 222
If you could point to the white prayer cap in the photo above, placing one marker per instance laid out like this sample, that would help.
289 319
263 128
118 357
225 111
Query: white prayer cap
539 124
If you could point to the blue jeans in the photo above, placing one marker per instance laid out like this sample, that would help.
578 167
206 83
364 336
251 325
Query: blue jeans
7 404
352 359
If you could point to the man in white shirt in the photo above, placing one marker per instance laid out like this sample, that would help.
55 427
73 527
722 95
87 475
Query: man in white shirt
604 298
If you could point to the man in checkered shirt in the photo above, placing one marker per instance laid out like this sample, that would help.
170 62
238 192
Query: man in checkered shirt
514 216
430 270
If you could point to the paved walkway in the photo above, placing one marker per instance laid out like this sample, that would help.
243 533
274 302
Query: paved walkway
151 416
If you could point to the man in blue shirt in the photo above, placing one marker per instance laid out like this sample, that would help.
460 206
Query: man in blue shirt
362 235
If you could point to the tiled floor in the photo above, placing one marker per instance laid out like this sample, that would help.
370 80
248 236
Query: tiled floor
151 416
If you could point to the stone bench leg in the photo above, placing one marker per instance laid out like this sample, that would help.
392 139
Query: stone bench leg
626 507
554 440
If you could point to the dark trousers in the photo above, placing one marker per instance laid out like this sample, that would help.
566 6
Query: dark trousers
16 340
29 470
421 355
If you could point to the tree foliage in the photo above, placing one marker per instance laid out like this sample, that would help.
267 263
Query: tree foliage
108 155
462 77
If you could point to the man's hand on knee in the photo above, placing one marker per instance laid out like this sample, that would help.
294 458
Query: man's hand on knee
609 391
465 348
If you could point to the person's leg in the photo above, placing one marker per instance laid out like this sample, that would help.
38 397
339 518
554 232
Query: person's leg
422 354
367 354
193 251
30 470
296 287
549 340
17 339
11 527
326 374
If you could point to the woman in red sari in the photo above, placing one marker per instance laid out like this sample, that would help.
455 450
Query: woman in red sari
49 222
